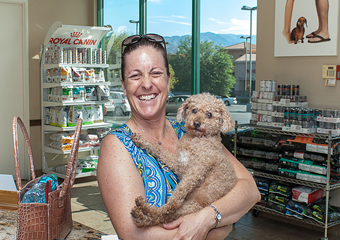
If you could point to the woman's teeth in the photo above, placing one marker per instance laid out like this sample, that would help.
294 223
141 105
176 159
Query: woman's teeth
147 97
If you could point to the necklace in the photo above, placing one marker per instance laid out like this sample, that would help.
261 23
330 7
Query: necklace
158 141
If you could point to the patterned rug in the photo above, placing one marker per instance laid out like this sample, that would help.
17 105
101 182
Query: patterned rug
8 227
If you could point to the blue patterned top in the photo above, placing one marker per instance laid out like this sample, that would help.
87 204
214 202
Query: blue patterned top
159 181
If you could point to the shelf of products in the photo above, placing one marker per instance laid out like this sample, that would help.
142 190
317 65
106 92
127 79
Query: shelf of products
73 86
279 156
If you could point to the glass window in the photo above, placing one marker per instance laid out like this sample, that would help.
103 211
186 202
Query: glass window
224 55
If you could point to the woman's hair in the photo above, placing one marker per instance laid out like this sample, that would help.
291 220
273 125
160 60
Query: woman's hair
143 42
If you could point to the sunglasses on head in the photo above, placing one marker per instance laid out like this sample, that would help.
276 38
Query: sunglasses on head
136 38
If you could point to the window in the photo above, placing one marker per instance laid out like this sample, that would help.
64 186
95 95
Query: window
222 25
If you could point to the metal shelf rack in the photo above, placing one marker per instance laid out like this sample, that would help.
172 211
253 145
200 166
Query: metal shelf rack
327 187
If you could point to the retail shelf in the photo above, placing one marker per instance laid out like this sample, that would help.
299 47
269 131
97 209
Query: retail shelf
304 220
89 126
55 104
50 66
78 175
295 181
51 85
290 133
81 149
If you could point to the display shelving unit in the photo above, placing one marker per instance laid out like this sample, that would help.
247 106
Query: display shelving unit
327 187
69 36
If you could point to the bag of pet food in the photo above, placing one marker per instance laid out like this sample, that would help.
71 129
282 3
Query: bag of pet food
67 94
88 114
99 75
90 94
98 113
53 119
78 74
47 116
49 75
61 114
50 95
78 93
55 77
65 74
89 75
75 113
103 93
62 137
61 146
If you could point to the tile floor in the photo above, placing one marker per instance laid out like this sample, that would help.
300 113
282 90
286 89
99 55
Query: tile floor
88 209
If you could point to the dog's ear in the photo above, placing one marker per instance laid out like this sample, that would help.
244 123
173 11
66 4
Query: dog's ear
227 123
181 112
306 22
298 24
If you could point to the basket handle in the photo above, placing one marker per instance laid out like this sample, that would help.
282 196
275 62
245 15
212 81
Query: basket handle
72 161
15 122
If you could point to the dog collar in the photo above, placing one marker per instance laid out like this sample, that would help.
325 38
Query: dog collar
218 215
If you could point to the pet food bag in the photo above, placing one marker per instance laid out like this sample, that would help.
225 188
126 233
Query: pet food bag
61 115
62 137
103 93
53 119
55 77
47 116
78 93
65 74
75 113
307 194
98 113
67 94
89 75
90 93
50 95
99 75
78 74
88 113
49 75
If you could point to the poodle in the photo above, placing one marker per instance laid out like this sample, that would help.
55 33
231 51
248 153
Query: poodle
204 171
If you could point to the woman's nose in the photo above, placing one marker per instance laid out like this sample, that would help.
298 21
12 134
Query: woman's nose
147 82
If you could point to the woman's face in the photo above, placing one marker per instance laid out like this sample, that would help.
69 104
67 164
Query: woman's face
146 83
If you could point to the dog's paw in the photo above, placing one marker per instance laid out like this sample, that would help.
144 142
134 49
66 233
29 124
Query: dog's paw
138 217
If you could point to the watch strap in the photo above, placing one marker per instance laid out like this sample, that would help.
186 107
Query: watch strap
218 215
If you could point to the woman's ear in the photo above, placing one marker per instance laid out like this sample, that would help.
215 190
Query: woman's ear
123 86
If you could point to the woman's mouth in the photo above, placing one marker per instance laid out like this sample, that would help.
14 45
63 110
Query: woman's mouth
145 98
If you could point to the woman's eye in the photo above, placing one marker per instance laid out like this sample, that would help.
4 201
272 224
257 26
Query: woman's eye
194 111
209 115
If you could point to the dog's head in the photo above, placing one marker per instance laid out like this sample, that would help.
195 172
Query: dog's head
301 22
204 115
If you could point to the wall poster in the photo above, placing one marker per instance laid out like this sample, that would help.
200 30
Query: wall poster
317 18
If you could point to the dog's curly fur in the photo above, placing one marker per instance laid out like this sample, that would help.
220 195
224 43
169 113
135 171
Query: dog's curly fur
204 171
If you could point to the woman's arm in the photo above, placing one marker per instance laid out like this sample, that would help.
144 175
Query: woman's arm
232 207
120 183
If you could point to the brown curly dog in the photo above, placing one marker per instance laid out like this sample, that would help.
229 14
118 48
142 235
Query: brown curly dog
204 171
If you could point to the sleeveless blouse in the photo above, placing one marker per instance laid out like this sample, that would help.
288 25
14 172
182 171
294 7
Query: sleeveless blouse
159 181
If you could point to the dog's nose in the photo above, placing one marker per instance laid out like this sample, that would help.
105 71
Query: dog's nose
197 124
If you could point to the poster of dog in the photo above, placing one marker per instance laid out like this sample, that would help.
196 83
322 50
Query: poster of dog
306 28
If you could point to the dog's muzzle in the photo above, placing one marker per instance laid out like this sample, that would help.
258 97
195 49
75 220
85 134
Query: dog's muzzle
197 124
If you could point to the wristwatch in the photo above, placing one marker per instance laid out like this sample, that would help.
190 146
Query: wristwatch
218 215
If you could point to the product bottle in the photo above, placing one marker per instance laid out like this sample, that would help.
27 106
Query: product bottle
37 194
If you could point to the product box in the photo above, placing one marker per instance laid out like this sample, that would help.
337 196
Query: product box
307 194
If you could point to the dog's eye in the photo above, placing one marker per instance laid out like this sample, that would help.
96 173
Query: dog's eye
209 115
194 111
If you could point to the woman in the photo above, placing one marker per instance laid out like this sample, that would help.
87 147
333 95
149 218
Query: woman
126 172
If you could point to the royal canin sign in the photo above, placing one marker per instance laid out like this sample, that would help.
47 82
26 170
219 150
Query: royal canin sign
74 40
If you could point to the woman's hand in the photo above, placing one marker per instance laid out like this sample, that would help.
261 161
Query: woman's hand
198 226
